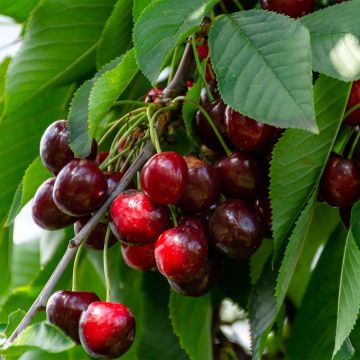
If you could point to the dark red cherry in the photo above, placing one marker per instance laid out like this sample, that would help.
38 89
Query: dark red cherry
44 211
240 176
202 188
101 157
80 188
212 85
236 229
181 252
216 110
164 176
340 183
96 239
136 220
107 330
113 179
293 8
245 133
354 99
195 221
205 279
203 51
140 258
153 95
64 309
263 208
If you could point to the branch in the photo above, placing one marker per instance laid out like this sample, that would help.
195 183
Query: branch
172 90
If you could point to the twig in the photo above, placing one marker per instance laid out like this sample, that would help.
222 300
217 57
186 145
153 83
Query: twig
172 90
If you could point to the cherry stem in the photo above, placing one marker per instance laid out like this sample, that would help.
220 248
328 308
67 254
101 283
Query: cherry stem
342 140
354 144
200 70
106 265
223 7
351 110
173 215
238 4
76 265
131 102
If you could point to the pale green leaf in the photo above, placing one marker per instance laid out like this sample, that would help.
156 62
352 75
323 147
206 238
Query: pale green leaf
17 9
13 321
139 6
355 222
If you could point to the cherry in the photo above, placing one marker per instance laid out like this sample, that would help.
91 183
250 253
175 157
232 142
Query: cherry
64 309
44 211
96 239
216 110
212 85
113 179
293 8
101 157
354 99
245 133
194 221
80 188
180 253
203 51
205 279
202 188
136 220
106 329
153 95
340 183
140 258
236 229
240 176
164 176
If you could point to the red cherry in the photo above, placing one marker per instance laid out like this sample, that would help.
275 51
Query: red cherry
96 239
101 157
44 211
153 95
195 221
64 309
245 133
203 51
293 8
106 330
340 183
202 189
140 258
164 176
354 99
113 179
136 220
240 176
180 253
235 229
80 188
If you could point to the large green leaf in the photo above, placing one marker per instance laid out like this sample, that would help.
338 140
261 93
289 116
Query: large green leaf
39 336
116 37
300 157
263 66
313 333
191 319
58 48
139 6
6 243
163 25
19 9
349 292
108 88
3 69
335 37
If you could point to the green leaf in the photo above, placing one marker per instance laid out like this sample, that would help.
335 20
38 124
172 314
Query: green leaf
262 310
355 222
39 336
300 157
294 250
116 37
79 139
3 69
58 48
346 352
191 319
259 259
335 37
263 70
108 88
163 25
139 6
13 321
19 9
313 333
349 292
6 244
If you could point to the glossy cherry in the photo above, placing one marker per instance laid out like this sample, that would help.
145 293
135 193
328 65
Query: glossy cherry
245 133
96 239
80 188
140 258
236 229
212 85
153 95
164 177
136 220
293 8
64 309
113 179
205 279
203 51
216 110
354 99
195 221
340 183
106 330
240 176
181 252
44 211
202 189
